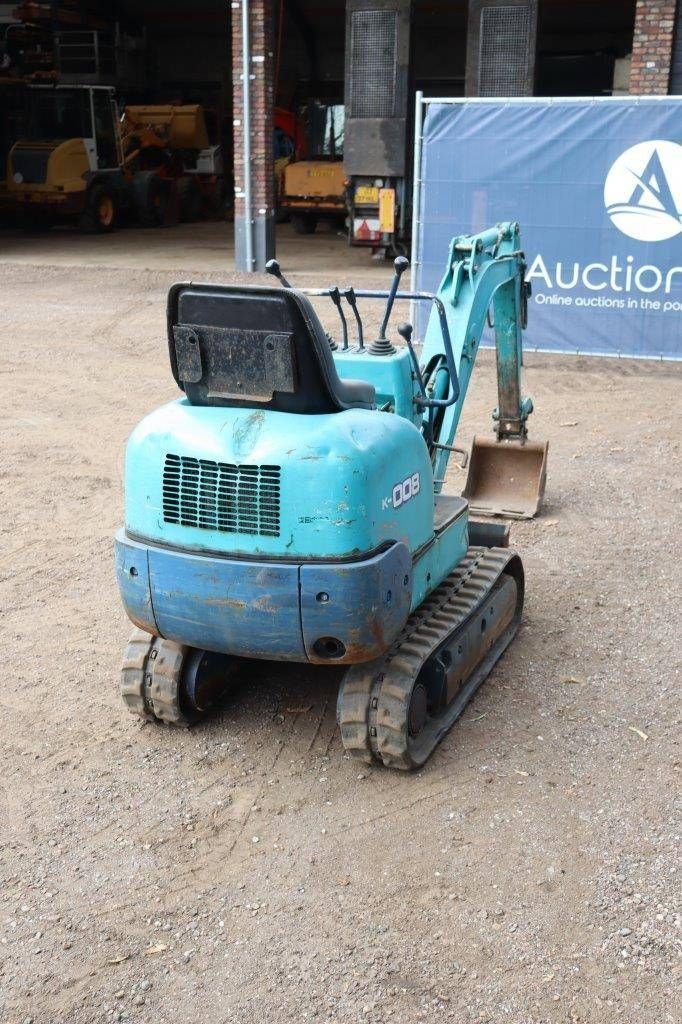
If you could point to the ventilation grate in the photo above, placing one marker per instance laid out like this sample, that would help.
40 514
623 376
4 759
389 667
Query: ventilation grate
31 164
504 51
374 40
220 496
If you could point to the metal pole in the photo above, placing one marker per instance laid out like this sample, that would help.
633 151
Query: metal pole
246 134
416 192
93 131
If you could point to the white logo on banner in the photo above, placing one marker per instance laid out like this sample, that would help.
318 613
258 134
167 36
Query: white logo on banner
643 191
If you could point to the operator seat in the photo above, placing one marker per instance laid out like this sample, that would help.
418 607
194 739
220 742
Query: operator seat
255 347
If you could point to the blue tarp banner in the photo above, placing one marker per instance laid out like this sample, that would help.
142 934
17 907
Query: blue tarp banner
596 186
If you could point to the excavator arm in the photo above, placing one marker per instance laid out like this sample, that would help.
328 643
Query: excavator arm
484 273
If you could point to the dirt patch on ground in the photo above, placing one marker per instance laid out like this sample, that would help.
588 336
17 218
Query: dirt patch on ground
247 871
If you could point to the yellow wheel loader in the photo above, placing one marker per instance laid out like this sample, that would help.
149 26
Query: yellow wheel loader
69 164
74 163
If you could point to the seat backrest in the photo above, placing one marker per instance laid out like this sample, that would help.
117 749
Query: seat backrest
251 346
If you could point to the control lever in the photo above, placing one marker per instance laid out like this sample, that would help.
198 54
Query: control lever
272 267
349 295
405 332
335 296
382 346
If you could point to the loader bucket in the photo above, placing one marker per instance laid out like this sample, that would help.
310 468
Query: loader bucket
506 478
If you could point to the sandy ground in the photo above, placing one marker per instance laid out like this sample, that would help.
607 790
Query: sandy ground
246 871
206 246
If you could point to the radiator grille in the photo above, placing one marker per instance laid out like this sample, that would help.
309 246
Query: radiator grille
220 496
374 36
503 56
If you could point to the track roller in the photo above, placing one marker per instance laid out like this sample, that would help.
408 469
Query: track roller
170 682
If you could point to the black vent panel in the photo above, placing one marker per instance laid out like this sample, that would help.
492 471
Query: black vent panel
504 51
31 164
374 37
221 496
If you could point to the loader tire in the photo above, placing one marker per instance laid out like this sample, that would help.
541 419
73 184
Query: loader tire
189 199
100 215
151 197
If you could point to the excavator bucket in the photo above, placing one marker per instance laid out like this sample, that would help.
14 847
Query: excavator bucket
506 478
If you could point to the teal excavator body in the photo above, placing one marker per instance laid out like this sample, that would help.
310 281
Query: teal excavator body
291 505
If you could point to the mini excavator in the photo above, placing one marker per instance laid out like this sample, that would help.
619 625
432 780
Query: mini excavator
291 505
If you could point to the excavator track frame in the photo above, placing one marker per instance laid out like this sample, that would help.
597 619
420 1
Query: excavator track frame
378 701
169 682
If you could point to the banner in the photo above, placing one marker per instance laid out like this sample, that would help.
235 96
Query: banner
596 186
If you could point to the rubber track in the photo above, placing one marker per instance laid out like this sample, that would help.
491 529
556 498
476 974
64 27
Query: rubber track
374 699
150 678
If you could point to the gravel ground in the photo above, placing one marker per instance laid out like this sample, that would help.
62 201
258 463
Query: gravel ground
246 870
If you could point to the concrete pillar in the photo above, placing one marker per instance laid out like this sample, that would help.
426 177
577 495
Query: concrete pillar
652 47
261 170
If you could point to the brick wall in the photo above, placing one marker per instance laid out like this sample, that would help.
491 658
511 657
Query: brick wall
262 182
676 69
652 47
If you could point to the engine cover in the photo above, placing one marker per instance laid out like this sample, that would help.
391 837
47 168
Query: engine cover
254 483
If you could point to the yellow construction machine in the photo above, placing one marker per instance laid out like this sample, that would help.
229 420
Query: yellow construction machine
77 162
314 188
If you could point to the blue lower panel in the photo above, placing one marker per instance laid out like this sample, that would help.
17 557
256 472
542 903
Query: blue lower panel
343 612
243 608
132 573
363 605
